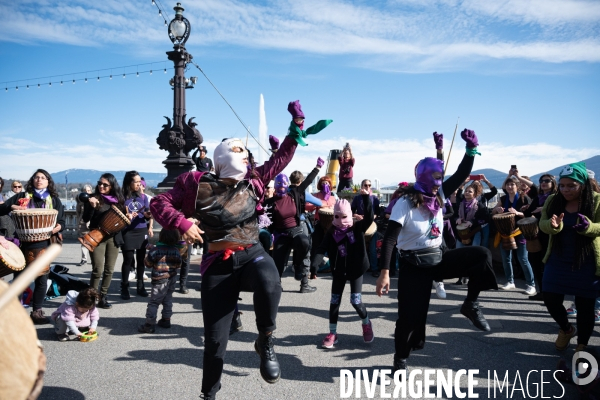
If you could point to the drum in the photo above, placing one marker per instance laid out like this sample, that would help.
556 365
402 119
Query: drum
529 227
326 218
11 258
34 224
22 363
505 225
464 233
370 232
111 223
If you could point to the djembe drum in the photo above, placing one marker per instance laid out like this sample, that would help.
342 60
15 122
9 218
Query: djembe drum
529 227
464 233
34 224
326 218
370 232
506 227
11 258
111 222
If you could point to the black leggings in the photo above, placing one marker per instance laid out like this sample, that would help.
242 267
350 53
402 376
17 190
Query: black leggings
337 288
585 314
39 290
133 260
249 270
301 245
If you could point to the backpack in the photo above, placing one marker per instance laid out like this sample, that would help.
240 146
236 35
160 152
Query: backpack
64 281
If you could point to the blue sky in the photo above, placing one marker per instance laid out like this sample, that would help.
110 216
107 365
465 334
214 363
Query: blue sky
525 75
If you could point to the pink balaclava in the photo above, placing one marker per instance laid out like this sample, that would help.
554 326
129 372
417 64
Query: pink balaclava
342 214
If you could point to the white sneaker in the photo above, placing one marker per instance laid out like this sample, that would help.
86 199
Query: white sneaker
131 276
200 251
530 290
146 277
194 251
508 286
439 289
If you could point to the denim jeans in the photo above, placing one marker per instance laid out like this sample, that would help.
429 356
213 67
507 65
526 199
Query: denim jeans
373 261
523 260
476 241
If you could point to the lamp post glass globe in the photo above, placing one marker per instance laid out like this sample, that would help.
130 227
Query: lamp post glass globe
177 29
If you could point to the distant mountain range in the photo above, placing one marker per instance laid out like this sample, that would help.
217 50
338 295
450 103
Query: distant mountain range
91 176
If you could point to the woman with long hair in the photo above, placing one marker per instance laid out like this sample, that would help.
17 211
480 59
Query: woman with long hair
471 214
104 257
324 194
40 192
416 226
512 202
346 174
548 186
136 234
571 218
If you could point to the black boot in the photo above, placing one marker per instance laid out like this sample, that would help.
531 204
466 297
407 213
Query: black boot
125 291
269 366
399 364
305 287
183 288
103 303
470 309
141 290
236 323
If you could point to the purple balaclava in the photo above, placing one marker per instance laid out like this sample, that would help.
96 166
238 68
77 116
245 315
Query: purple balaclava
296 110
423 174
282 183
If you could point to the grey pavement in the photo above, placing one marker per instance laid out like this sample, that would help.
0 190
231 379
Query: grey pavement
124 364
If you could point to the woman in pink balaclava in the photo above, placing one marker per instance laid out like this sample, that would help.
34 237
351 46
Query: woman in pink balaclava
345 245
416 227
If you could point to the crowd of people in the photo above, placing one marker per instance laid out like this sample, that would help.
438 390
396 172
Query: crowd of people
249 218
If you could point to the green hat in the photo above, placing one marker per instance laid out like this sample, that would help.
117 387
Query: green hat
575 171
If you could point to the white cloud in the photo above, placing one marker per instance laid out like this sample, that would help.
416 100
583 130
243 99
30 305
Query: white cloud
419 36
390 161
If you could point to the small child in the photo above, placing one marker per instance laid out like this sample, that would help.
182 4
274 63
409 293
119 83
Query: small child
164 259
78 311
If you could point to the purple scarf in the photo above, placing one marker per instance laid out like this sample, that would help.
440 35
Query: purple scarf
338 234
110 199
432 204
326 192
467 210
542 198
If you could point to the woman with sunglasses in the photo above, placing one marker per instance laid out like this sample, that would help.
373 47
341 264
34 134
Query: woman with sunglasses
512 202
136 234
571 218
15 188
40 192
104 257
547 187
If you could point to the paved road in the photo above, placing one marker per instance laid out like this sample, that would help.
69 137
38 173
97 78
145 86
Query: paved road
124 364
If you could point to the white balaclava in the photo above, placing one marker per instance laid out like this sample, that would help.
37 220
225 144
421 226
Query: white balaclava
229 160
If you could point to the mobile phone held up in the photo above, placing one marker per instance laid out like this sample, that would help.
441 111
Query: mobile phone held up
513 166
475 177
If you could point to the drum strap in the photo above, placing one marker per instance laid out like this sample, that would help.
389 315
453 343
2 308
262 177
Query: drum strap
516 232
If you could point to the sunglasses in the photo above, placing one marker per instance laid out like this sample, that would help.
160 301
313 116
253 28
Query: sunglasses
365 185
545 181
102 184
17 187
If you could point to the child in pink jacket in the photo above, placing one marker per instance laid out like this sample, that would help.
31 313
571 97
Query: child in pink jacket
78 311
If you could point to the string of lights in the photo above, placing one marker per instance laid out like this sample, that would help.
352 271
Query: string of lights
161 11
85 76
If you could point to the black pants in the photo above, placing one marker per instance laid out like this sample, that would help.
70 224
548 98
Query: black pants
300 242
537 266
414 291
185 268
344 184
133 260
585 314
337 289
249 270
39 290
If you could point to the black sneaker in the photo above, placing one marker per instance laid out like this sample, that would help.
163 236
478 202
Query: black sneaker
183 289
164 323
236 323
103 303
306 288
146 328
399 364
470 309
269 366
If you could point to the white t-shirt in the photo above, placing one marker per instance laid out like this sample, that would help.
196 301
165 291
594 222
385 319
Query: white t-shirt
416 225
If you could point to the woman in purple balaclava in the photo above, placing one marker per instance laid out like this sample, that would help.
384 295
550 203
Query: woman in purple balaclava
344 242
416 225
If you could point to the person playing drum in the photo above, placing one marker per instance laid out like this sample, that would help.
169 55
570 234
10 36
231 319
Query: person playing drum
104 257
512 202
327 197
40 192
471 214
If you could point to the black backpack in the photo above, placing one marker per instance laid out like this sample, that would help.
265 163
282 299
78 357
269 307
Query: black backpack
64 281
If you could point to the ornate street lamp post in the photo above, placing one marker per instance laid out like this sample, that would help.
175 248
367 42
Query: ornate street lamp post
178 137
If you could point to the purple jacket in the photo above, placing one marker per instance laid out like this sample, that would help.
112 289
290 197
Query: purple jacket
171 209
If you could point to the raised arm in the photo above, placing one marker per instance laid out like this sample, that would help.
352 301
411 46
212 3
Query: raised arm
466 165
